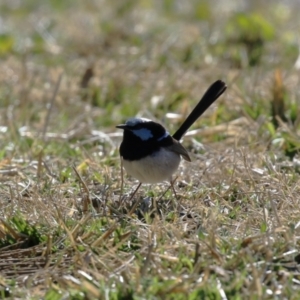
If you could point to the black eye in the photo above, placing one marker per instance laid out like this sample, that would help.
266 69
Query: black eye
159 131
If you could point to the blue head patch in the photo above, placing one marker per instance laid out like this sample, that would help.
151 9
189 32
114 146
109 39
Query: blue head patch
143 133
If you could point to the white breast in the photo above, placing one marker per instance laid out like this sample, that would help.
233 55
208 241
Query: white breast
155 168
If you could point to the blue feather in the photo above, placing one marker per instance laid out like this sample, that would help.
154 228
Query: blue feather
143 133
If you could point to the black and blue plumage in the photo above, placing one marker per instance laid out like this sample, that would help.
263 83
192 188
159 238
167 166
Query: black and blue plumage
149 152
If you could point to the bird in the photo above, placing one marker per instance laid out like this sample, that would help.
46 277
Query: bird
149 153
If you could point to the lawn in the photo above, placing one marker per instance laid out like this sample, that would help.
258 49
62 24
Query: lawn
73 70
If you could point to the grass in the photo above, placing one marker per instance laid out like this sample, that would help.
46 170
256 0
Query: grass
71 71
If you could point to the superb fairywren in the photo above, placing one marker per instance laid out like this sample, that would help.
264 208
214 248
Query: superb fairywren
149 152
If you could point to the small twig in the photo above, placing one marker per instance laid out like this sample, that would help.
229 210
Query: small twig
16 235
64 226
48 170
274 209
105 235
147 261
197 253
87 199
81 181
79 225
50 106
40 164
48 251
25 188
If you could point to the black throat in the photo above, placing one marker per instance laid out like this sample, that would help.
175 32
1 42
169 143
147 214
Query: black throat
134 148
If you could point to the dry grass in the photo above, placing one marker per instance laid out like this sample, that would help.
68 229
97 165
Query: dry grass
79 69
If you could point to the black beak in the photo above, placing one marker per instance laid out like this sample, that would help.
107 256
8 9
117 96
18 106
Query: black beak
122 126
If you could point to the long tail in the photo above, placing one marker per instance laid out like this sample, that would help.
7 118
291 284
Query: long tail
210 96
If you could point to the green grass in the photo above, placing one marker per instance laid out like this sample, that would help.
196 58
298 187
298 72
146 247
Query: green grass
70 72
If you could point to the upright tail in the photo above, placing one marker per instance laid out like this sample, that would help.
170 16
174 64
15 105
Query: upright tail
210 96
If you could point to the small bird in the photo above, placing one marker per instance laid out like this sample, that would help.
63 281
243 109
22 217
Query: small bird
150 154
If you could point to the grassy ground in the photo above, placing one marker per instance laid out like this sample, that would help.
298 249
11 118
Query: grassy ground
71 71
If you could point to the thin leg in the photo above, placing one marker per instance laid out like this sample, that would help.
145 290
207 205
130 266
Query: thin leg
164 193
136 203
172 185
178 202
122 185
133 194
122 182
175 203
